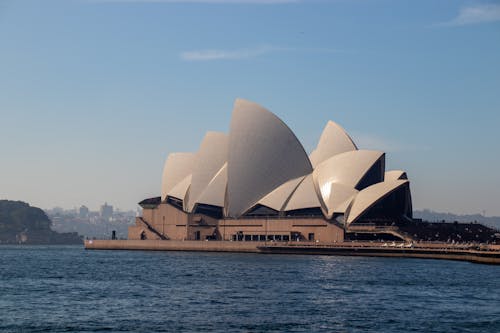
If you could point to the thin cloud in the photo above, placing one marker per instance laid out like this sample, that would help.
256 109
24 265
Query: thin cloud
235 2
475 15
212 54
246 53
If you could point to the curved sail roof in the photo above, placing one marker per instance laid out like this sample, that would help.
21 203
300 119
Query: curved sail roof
339 199
261 162
347 169
177 167
305 196
370 196
215 191
279 197
395 175
180 190
210 158
263 154
333 141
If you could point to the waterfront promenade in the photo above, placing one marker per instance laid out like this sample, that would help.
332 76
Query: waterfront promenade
487 254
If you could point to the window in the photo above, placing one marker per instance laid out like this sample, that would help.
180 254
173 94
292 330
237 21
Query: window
311 236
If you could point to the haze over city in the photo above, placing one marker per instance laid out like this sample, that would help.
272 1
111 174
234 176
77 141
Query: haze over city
95 94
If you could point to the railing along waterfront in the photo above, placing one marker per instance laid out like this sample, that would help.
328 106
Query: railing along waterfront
402 245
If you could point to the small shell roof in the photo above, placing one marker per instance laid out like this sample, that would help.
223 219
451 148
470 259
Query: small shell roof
177 167
395 175
347 169
208 161
279 197
368 197
215 191
304 196
180 190
333 141
339 199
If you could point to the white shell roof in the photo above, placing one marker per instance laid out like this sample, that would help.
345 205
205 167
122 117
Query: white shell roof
369 196
346 168
339 198
395 175
209 160
262 162
279 197
215 191
333 141
305 196
263 154
177 167
180 190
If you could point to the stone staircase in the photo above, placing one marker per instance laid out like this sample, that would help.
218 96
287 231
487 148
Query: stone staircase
151 228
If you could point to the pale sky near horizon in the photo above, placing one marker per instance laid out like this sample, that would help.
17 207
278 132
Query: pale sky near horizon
94 94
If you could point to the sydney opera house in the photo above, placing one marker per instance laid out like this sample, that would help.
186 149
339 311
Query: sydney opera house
257 183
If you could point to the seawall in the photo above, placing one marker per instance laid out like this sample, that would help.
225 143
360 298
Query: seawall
172 245
423 251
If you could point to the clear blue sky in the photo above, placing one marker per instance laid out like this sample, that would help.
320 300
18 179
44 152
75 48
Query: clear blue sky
95 94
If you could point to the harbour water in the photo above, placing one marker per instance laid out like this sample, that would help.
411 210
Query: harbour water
68 289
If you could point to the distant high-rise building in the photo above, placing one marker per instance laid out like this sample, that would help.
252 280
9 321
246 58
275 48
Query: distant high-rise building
57 210
106 211
83 212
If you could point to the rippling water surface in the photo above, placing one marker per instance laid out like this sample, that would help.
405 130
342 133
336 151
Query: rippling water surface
68 289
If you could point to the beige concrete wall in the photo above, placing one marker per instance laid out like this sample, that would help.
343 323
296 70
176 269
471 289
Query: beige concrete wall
204 232
149 214
203 224
134 232
166 219
322 230
178 225
172 222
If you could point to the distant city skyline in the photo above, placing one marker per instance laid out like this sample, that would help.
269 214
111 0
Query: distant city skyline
85 208
95 94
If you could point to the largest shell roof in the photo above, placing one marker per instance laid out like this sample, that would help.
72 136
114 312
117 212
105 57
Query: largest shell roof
261 162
